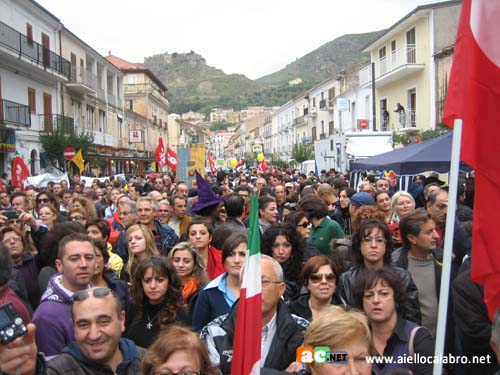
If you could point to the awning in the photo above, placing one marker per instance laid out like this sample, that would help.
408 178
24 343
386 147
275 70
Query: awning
364 147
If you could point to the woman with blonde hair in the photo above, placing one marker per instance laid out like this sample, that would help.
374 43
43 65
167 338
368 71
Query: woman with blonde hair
345 332
141 245
177 350
186 261
85 205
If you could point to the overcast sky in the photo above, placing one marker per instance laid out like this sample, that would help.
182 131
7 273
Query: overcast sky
251 37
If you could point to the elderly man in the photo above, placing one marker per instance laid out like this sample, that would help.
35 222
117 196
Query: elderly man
98 322
282 331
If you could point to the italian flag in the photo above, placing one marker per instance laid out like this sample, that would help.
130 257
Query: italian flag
247 337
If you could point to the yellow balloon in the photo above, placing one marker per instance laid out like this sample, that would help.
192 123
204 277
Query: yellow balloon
260 157
233 163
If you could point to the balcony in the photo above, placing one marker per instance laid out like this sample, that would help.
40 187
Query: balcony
384 123
312 112
102 139
83 83
15 46
56 123
322 136
331 103
322 104
299 121
144 89
14 113
407 121
401 63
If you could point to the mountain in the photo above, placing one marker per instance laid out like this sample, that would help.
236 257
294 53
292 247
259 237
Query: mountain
325 61
194 85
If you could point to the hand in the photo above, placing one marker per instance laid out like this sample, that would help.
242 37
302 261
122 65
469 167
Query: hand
294 367
21 353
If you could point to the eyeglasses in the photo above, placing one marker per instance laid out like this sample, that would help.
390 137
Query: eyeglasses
184 372
304 225
378 240
43 200
82 295
12 239
13 221
266 283
74 218
318 277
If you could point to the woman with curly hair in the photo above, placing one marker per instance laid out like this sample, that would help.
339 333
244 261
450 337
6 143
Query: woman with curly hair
157 301
282 242
82 203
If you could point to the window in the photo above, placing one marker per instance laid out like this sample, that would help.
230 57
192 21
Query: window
29 34
331 93
32 100
120 123
330 127
102 121
90 118
131 104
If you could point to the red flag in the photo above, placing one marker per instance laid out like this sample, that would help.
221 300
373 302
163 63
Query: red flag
20 172
211 162
474 97
160 153
247 335
2 186
240 163
171 159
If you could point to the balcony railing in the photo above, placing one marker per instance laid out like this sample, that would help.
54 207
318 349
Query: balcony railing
401 57
23 46
103 139
384 123
407 120
145 89
299 120
322 136
306 140
84 77
51 123
14 113
322 104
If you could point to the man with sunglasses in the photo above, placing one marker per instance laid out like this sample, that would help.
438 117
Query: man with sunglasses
98 348
76 264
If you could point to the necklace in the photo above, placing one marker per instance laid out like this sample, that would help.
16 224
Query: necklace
150 325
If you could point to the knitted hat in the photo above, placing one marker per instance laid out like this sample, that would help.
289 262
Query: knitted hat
206 196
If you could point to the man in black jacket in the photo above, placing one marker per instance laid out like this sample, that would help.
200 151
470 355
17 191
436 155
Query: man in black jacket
282 332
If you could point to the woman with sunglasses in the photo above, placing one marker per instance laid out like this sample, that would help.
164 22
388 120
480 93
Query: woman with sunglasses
186 261
45 198
282 242
48 215
371 250
319 277
300 222
157 301
178 350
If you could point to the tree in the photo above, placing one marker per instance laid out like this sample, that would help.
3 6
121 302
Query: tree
55 143
301 152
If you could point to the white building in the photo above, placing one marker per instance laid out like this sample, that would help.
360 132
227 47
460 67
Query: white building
32 72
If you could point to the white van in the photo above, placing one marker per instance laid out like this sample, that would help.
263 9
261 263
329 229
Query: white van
307 166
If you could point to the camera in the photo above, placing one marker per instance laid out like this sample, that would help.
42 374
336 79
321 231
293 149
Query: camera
11 324
11 214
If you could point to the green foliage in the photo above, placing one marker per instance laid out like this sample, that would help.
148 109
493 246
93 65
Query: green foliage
406 139
54 144
301 152
219 125
277 162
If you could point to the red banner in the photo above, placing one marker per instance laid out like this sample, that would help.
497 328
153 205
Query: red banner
171 159
160 153
20 172
211 162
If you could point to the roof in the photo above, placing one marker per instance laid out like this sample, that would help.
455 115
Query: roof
128 67
418 9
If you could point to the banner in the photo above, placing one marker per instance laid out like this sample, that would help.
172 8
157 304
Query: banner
160 153
20 172
171 159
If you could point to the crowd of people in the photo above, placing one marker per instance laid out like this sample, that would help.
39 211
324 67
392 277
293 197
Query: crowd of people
144 276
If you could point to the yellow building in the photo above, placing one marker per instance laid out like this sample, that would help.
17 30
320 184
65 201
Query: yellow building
404 60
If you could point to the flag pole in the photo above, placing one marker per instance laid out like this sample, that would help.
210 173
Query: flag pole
448 246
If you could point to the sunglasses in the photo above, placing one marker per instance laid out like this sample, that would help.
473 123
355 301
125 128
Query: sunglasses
82 295
74 218
304 225
43 200
318 277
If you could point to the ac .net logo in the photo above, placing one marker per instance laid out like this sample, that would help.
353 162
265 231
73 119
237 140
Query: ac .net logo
320 354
